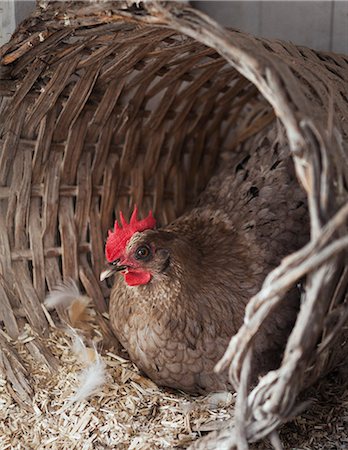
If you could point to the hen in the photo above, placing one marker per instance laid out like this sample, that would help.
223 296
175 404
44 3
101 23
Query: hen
181 290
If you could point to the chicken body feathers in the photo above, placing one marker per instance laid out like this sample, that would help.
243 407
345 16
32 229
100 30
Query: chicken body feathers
251 215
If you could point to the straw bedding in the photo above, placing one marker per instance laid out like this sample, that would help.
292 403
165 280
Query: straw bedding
87 129
130 412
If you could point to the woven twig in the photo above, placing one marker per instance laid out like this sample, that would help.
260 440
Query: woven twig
106 104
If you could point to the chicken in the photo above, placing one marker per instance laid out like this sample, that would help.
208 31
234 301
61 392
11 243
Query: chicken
181 291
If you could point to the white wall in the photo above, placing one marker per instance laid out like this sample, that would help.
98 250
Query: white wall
7 20
322 25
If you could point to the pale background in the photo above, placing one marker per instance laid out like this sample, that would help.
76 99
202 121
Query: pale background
322 25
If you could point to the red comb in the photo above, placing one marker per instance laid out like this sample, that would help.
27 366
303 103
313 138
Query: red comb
117 239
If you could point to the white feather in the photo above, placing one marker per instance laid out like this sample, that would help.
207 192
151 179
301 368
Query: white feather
80 350
94 375
63 294
78 346
91 379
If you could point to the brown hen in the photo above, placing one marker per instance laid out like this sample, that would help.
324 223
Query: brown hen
181 290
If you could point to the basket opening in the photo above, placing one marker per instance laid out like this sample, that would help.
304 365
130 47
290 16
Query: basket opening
116 119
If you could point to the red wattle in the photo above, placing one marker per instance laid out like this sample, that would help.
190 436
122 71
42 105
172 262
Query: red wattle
135 277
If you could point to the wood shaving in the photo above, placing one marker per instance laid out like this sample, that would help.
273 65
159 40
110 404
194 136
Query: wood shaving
131 412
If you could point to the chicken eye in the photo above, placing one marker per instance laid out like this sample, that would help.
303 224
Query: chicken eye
143 253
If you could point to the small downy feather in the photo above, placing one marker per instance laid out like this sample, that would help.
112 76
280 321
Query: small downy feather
63 294
78 312
68 296
85 355
94 375
91 379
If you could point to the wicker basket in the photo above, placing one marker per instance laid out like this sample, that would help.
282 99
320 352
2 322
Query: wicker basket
107 104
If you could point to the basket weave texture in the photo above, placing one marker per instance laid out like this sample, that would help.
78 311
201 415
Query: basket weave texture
107 104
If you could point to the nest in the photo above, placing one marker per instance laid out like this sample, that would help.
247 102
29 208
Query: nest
107 104
132 413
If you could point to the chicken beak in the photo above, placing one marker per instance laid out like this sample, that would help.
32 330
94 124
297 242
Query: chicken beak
110 271
106 274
